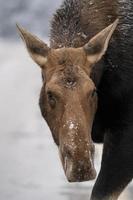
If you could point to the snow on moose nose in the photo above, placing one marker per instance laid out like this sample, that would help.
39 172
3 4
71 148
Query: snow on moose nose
77 152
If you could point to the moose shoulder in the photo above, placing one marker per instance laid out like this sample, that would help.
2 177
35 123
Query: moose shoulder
87 90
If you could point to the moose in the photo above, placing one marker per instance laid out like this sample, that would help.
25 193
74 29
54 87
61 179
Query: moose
87 92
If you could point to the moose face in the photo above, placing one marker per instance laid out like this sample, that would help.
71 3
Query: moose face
68 103
68 99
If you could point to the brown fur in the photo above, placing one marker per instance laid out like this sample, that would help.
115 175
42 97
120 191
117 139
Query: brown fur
68 99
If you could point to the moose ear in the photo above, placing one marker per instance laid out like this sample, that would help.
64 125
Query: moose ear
37 49
98 45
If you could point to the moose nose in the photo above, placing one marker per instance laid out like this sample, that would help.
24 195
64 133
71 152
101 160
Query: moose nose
78 165
80 172
68 152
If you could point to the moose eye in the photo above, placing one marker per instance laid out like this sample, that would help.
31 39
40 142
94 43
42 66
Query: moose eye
94 93
51 99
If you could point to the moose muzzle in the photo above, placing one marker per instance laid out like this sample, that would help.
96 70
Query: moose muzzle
77 156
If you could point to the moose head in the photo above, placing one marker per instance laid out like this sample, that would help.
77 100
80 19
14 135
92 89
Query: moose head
68 99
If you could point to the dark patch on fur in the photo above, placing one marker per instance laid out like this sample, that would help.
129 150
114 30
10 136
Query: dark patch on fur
62 61
69 76
92 49
39 49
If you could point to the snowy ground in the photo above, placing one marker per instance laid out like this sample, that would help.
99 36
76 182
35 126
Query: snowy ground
30 168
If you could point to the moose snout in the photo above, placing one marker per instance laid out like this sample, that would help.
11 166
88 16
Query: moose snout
78 165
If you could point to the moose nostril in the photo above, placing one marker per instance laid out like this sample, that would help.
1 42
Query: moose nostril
68 152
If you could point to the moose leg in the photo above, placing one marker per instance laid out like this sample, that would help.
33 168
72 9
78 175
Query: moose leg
117 165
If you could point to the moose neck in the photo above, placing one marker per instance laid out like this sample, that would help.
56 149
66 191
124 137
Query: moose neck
78 21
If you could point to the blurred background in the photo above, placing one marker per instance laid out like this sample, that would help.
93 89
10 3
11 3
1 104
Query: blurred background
30 168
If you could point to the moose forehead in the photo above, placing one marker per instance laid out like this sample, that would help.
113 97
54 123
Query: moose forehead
60 58
67 70
68 67
67 56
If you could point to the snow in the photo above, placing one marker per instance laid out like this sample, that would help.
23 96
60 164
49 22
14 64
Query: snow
71 126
